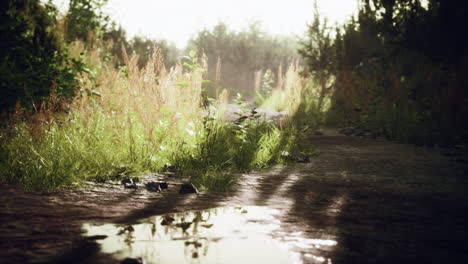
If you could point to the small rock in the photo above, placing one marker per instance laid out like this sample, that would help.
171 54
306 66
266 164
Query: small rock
318 133
187 188
296 156
167 220
129 183
130 186
169 167
138 260
184 226
163 185
97 237
156 186
127 180
303 158
153 187
348 131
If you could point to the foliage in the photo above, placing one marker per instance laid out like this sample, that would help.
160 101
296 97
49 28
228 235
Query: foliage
131 121
138 46
33 58
143 47
318 53
85 17
234 57
399 69
124 116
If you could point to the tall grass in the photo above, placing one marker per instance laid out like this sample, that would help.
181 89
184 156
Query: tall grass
300 98
285 95
130 121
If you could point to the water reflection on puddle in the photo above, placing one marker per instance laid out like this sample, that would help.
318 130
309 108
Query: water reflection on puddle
218 235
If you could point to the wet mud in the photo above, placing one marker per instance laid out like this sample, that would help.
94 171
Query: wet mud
359 201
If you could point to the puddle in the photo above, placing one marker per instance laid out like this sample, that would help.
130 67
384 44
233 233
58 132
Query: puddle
220 235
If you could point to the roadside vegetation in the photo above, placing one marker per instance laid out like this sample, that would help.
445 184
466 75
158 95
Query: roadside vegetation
115 114
131 120
80 101
397 69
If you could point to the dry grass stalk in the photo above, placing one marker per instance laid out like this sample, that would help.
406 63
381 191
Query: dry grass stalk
258 80
293 88
148 95
280 81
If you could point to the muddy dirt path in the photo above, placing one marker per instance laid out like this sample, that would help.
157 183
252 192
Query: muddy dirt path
359 201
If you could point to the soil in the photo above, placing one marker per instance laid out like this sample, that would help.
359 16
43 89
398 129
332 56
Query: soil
378 201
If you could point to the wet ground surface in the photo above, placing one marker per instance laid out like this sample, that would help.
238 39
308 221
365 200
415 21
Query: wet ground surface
359 201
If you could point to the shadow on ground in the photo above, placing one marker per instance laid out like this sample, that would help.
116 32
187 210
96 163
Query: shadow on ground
378 201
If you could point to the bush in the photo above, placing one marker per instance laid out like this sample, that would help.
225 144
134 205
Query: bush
33 57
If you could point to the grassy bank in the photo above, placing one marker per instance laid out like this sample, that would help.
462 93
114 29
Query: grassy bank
130 121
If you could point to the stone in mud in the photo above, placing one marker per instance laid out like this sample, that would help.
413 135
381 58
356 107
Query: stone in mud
132 261
187 188
169 168
318 133
153 187
97 237
129 183
163 185
130 186
299 157
127 180
348 131
167 220
156 186
184 226
303 158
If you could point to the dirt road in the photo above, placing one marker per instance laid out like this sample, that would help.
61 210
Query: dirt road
359 201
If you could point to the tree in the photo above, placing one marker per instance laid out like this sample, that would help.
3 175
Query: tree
32 57
241 54
144 48
318 51
84 17
399 69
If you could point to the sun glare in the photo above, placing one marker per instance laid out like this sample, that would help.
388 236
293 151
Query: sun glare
178 20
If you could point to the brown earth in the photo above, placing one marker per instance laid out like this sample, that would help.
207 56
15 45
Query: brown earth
379 201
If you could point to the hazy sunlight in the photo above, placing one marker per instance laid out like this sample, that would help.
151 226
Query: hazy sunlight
178 20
